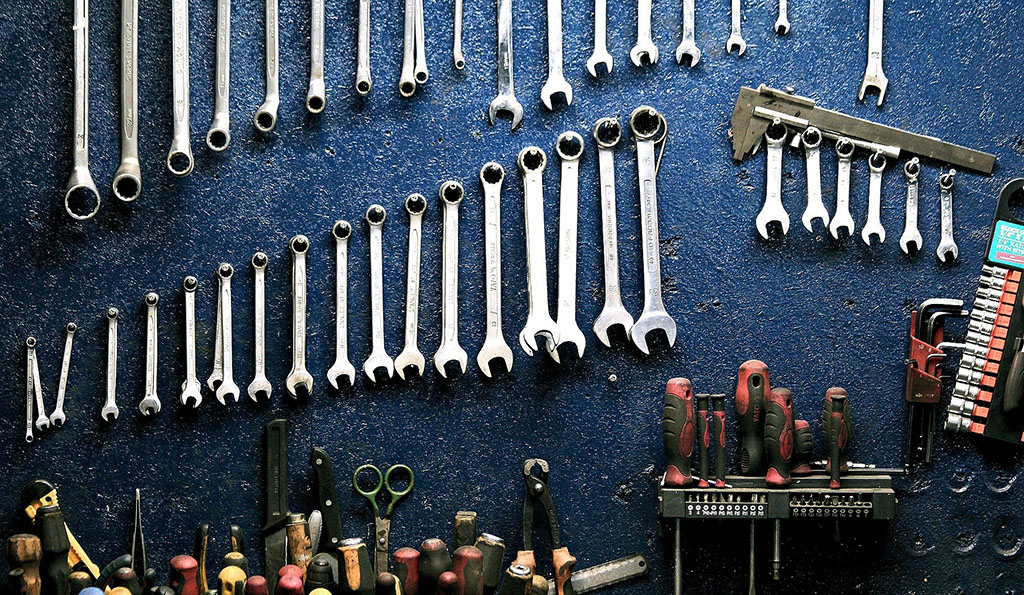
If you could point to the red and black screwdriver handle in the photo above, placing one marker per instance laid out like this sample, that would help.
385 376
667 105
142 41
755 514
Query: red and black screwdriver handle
837 432
803 448
677 431
718 434
751 392
703 437
778 436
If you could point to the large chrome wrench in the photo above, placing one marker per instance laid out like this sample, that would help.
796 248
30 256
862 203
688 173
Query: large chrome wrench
569 148
873 226
110 411
449 351
843 219
773 212
316 94
607 133
127 184
150 403
218 137
379 358
260 387
179 158
495 348
600 54
81 198
531 162
947 250
363 82
342 367
911 240
811 140
874 78
411 357
644 52
266 116
687 51
505 101
227 386
648 127
191 389
57 418
299 382
556 83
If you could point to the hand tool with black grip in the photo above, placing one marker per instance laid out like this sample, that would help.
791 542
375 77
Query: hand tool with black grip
1013 389
837 433
79 580
124 561
447 583
718 435
407 569
434 560
518 579
182 575
751 392
803 448
467 563
15 584
328 498
25 551
677 431
492 548
537 492
256 585
778 437
199 548
387 584
355 573
126 577
703 438
464 529
43 493
319 573
275 526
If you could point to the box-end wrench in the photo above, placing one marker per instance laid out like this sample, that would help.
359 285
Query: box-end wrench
843 220
407 80
556 83
81 198
773 213
600 55
505 101
947 251
687 52
58 418
150 403
607 133
179 158
735 42
811 140
450 352
495 348
411 357
458 59
874 78
227 385
422 74
911 241
644 53
782 25
191 389
299 382
379 360
260 387
531 163
266 116
109 412
649 129
127 183
363 82
30 388
569 148
341 231
316 93
873 226
218 137
42 422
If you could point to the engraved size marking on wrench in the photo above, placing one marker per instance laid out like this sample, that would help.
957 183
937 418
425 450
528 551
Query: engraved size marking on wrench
874 78
495 348
266 116
219 136
600 55
81 198
873 226
735 42
556 83
179 158
316 94
911 241
363 82
378 359
569 148
505 101
260 387
57 418
531 162
773 213
811 139
843 219
947 251
782 25
42 422
109 412
191 389
227 385
607 133
341 231
150 404
450 352
687 52
644 53
30 387
411 357
127 183
299 382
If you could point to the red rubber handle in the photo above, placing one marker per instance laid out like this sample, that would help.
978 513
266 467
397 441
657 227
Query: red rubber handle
677 431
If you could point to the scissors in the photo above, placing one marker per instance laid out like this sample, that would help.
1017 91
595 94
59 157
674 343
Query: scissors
382 522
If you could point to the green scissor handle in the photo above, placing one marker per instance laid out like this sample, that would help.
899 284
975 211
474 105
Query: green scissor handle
383 482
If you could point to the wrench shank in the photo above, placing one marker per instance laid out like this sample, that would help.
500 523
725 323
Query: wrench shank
646 161
568 221
412 283
609 228
450 275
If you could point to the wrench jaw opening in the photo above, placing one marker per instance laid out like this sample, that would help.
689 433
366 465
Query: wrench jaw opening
544 328
568 338
556 86
379 362
599 58
736 44
447 357
81 198
410 361
615 319
651 321
496 350
875 82
911 242
782 25
644 53
773 220
688 53
506 104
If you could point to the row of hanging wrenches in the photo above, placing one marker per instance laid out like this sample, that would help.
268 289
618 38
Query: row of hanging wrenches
35 408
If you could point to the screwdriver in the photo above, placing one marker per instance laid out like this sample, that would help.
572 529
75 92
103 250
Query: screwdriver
464 528
493 549
837 432
677 430
703 437
354 569
751 390
778 436
300 550
126 577
78 580
387 584
407 569
182 575
803 448
319 574
231 580
718 433
447 583
434 560
53 536
16 583
256 585
518 579
199 548
467 563
24 551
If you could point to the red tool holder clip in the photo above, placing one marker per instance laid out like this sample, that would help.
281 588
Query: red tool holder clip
923 385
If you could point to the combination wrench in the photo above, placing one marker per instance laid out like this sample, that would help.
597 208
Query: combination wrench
227 386
773 212
42 422
600 55
58 418
458 59
179 158
873 226
191 389
150 403
421 74
649 129
735 42
316 94
81 198
379 358
843 220
607 133
407 80
341 231
947 251
505 101
687 51
299 382
218 137
811 140
260 387
531 163
127 184
110 411
569 148
644 52
911 240
449 351
495 348
874 78
30 388
410 357
782 25
556 83
266 116
363 82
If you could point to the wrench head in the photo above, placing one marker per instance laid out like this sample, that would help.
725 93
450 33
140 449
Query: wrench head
506 104
874 81
947 251
644 53
650 322
448 354
316 96
216 377
539 325
812 213
299 383
191 396
568 337
57 419
736 44
458 60
599 58
259 389
911 242
782 25
555 86
81 198
266 117
127 184
779 223
109 413
379 362
494 350
410 358
688 53
151 406
42 422
616 317
872 230
842 222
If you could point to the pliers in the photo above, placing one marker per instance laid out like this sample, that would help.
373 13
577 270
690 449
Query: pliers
537 491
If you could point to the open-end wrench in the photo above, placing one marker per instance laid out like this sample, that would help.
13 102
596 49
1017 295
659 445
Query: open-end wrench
341 231
316 94
227 386
42 422
81 198
458 59
947 250
873 226
30 388
407 80
911 241
378 358
495 348
260 387
843 219
773 212
811 140
422 74
644 53
57 418
556 83
127 184
449 351
150 403
687 51
782 25
569 148
410 357
179 158
217 373
109 412
600 55
874 78
531 162
607 133
505 101
266 116
735 42
299 382
363 82
191 389
218 137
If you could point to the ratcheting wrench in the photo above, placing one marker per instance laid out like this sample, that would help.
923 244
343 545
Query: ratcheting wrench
342 367
811 140
57 418
773 212
219 136
650 129
316 94
495 348
410 357
556 83
644 52
42 422
843 219
531 162
911 241
81 198
363 82
874 78
191 389
687 51
569 148
607 133
947 250
449 352
179 158
110 411
150 403
600 55
260 387
299 382
266 116
227 386
735 41
127 182
782 22
873 226
378 358
505 101
30 387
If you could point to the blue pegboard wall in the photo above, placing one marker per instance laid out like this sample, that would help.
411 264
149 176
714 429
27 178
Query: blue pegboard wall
818 314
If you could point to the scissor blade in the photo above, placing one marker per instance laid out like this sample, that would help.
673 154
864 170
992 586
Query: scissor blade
315 523
383 530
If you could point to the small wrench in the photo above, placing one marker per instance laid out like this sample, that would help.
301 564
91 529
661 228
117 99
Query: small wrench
179 158
363 82
451 194
191 389
410 357
811 139
531 162
316 94
30 387
600 55
607 133
782 25
407 80
127 184
42 421
947 250
57 418
217 374
219 135
495 348
687 51
342 367
422 74
569 148
458 59
735 42
773 212
644 52
109 412
873 227
874 78
911 241
843 219
379 358
266 116
505 101
299 381
260 387
556 83
150 404
81 198
227 385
